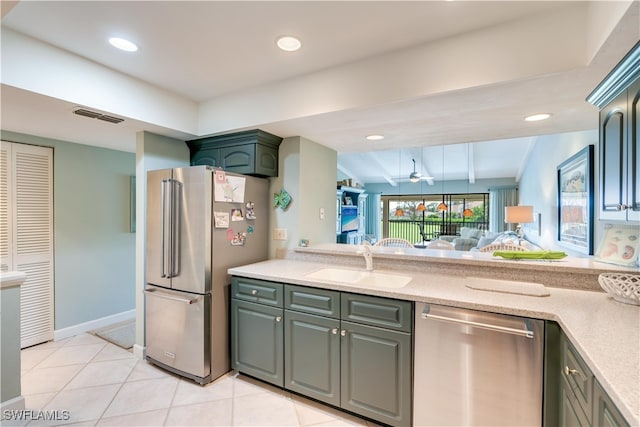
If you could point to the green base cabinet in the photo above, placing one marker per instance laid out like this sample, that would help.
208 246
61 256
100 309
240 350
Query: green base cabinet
573 396
257 332
348 350
376 373
257 339
312 355
605 413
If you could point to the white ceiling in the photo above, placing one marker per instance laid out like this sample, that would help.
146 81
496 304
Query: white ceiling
422 73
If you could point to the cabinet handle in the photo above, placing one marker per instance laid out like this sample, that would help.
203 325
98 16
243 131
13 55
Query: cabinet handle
569 371
278 318
622 207
343 333
254 292
334 331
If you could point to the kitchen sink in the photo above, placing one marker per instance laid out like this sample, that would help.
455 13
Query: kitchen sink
361 277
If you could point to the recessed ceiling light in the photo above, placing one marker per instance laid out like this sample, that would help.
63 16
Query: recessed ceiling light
537 117
374 137
289 43
123 44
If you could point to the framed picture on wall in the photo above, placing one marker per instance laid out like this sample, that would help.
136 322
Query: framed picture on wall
575 201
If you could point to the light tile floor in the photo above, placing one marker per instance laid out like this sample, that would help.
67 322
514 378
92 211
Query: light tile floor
101 384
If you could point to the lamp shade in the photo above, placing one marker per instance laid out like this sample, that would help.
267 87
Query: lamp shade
467 213
421 207
518 214
442 206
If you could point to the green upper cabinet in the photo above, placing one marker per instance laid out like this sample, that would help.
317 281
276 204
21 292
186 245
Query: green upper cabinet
618 98
252 152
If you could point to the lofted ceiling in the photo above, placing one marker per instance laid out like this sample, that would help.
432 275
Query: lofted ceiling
422 73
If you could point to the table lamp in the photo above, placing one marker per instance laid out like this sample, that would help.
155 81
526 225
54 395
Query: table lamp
518 215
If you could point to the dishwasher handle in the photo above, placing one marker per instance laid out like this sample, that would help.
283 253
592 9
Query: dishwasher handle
520 332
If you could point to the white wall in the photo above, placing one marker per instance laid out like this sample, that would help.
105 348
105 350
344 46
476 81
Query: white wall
538 184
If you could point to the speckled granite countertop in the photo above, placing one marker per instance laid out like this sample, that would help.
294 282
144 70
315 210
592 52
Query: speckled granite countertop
605 332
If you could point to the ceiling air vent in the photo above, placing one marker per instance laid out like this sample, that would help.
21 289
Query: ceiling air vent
95 115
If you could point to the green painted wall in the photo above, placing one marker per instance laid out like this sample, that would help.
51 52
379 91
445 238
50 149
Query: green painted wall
307 171
10 344
94 250
152 152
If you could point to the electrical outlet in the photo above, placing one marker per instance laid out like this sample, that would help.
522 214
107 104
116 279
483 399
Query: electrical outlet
279 234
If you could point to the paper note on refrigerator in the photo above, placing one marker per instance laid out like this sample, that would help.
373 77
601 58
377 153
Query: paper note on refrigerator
230 190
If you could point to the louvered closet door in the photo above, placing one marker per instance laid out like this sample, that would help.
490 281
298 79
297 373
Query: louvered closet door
30 201
6 263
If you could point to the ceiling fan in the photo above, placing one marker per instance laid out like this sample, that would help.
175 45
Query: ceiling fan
417 176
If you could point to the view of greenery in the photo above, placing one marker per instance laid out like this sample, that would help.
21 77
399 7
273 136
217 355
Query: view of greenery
405 220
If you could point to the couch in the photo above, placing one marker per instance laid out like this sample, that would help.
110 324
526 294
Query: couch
468 238
472 239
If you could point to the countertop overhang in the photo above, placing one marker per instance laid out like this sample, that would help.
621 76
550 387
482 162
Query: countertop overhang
605 332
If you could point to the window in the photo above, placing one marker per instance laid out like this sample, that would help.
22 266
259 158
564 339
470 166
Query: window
402 218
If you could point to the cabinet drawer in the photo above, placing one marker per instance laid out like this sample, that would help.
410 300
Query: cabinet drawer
260 291
577 375
377 311
322 302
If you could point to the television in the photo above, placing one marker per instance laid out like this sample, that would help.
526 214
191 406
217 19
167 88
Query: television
349 220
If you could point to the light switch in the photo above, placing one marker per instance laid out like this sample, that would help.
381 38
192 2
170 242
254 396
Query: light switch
321 213
279 234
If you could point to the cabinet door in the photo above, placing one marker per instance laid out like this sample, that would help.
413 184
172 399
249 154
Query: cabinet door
266 161
257 341
376 373
633 153
206 156
239 158
613 139
605 413
571 414
312 356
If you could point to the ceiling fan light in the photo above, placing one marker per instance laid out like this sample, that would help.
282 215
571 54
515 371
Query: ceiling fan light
442 206
467 213
415 177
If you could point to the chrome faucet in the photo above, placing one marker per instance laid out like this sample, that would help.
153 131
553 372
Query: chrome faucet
365 250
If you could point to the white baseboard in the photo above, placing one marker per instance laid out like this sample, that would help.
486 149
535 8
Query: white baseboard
139 351
60 334
15 404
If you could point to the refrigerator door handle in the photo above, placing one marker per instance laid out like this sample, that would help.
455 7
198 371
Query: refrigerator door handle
176 198
172 298
166 228
520 332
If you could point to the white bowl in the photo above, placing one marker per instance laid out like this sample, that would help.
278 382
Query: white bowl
623 287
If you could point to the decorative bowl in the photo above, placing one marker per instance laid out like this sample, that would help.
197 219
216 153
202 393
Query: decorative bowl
623 287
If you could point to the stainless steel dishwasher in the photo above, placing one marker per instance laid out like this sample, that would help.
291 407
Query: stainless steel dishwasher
474 368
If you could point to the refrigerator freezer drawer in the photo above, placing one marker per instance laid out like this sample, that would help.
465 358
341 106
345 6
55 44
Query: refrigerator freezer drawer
178 331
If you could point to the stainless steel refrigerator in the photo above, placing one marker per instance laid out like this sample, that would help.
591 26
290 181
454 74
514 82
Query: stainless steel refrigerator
200 222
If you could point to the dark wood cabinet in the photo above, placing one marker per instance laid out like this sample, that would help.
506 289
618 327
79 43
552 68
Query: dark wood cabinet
252 152
618 98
